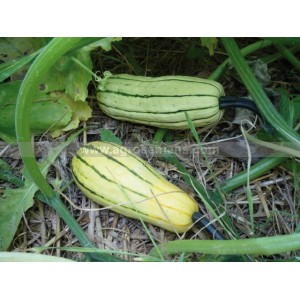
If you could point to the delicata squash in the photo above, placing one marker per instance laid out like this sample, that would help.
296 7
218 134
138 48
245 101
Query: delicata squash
116 178
161 101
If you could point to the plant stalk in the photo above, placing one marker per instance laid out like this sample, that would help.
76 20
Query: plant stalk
260 98
259 169
43 63
252 246
289 56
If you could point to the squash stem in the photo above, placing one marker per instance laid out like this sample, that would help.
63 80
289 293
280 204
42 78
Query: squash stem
159 135
203 223
43 63
227 101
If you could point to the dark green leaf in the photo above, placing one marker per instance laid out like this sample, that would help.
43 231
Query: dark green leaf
267 109
6 174
47 113
290 41
109 136
11 67
55 113
15 47
296 109
16 53
285 106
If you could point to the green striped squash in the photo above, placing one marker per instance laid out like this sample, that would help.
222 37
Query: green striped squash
114 177
161 101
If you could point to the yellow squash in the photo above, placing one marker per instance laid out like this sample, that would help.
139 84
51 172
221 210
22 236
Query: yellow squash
116 178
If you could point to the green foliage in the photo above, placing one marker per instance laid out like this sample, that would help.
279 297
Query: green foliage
6 174
252 246
15 47
210 43
109 136
15 202
62 92
54 112
17 53
11 67
289 107
290 41
53 52
267 109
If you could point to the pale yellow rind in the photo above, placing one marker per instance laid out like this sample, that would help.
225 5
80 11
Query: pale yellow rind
109 180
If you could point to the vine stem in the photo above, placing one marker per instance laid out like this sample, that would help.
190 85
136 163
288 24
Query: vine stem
43 63
252 246
216 74
265 106
288 55
55 49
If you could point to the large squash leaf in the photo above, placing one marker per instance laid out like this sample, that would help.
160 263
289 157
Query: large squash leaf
49 112
15 47
59 104
77 68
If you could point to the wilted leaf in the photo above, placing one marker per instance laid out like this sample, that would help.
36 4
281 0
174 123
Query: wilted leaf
78 77
80 112
59 104
55 113
104 43
47 112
